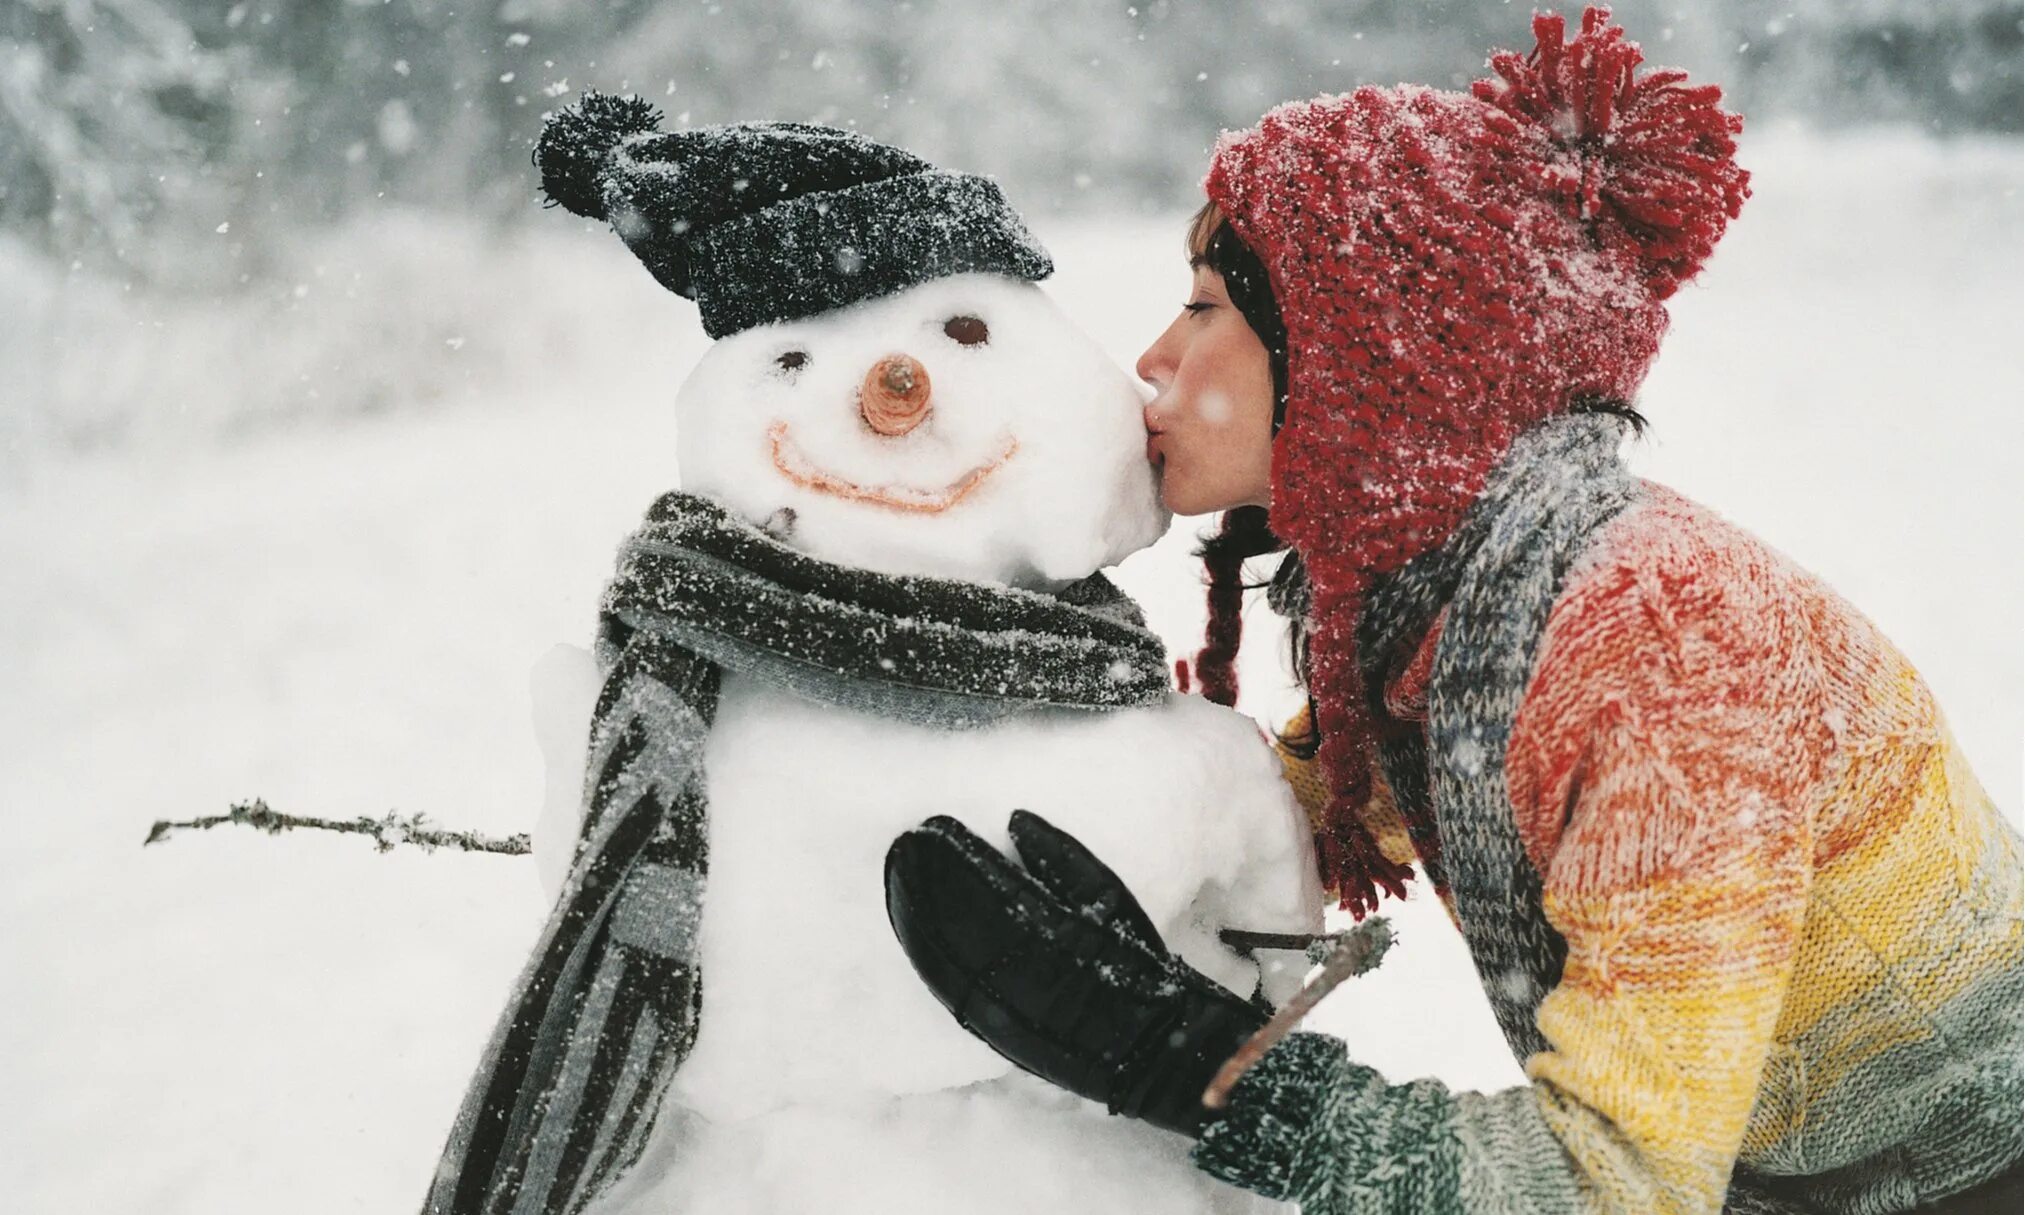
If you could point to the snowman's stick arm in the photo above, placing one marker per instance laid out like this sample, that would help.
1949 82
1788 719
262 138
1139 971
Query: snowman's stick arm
1355 952
1243 941
387 831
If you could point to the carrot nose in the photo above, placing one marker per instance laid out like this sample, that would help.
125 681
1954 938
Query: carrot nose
894 399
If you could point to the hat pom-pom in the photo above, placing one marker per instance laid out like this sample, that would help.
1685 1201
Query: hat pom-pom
1651 160
577 141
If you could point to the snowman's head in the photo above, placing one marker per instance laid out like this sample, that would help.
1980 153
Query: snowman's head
961 428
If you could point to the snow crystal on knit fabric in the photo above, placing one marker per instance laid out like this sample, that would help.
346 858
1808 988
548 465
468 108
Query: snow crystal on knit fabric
771 221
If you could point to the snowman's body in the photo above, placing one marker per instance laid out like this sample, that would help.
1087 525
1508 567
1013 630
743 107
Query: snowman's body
825 1076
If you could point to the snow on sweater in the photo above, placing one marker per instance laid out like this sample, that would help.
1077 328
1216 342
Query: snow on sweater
1791 917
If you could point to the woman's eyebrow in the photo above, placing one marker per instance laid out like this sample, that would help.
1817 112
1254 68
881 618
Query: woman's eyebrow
1197 261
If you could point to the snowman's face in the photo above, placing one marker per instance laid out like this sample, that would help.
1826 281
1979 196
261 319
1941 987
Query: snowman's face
962 428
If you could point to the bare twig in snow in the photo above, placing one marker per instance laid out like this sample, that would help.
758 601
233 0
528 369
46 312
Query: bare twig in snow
387 831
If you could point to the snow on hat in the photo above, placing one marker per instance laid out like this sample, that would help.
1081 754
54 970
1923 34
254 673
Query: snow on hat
773 221
1453 268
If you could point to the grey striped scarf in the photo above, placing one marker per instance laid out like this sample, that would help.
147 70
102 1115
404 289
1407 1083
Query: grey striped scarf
608 1005
1498 577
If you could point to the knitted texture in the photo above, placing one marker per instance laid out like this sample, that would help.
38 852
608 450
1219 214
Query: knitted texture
1452 268
760 222
1379 815
1748 920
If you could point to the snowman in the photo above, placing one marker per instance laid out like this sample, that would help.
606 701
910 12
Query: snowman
874 599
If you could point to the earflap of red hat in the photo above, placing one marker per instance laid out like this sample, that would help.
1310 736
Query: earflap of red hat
1650 162
1346 853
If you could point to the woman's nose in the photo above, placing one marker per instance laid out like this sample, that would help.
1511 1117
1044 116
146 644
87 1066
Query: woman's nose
1149 368
894 397
1156 363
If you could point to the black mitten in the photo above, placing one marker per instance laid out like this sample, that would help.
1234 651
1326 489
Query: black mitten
1057 967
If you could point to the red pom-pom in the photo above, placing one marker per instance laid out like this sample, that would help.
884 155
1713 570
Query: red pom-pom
1652 158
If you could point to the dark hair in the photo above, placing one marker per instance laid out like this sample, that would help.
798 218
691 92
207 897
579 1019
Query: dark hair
1245 531
1214 243
1624 411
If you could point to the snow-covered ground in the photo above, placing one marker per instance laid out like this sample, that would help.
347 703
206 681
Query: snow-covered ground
341 618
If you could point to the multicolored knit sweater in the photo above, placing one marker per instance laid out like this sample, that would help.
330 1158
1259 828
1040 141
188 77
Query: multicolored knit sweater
1747 919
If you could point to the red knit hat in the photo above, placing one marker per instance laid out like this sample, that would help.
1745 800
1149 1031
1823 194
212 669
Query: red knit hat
1453 268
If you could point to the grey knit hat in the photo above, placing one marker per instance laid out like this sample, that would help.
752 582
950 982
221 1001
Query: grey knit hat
772 221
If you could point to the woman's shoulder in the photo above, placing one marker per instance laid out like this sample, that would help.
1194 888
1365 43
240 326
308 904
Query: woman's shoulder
1666 532
1668 567
1671 599
1678 638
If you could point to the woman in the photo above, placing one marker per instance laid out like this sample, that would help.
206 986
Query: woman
1742 910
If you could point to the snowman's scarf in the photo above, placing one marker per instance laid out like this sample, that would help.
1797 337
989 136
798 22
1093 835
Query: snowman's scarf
608 1005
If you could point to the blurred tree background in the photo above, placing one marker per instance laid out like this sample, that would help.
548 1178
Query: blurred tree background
145 136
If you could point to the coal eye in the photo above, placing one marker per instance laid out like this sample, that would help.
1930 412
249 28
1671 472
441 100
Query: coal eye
793 360
967 330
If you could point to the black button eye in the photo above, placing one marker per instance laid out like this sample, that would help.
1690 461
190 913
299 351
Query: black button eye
967 330
793 360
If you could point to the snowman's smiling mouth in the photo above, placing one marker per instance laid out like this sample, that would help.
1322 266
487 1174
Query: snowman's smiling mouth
796 467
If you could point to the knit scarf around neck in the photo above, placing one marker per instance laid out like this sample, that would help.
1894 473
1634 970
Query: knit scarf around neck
609 1002
1366 621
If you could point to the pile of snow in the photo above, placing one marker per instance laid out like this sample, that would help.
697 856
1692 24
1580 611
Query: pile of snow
817 1038
341 619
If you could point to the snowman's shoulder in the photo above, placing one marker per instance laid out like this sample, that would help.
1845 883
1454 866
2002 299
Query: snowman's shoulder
1217 725
1213 747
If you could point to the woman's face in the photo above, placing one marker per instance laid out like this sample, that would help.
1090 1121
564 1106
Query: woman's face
1209 427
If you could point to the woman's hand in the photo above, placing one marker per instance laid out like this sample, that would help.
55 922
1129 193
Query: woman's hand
1057 968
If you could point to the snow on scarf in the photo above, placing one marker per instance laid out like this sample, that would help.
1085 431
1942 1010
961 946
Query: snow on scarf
608 1005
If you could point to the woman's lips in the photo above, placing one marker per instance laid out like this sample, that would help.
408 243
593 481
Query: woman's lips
1153 453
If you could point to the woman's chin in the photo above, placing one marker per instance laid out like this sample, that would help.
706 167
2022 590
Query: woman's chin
1178 500
1186 496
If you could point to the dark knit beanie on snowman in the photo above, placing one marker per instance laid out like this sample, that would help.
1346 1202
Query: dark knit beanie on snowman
774 221
1453 268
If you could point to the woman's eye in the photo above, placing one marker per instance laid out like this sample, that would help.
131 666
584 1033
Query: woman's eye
1197 306
793 360
967 330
